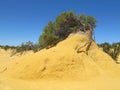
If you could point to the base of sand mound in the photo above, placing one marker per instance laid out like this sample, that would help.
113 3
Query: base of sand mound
94 84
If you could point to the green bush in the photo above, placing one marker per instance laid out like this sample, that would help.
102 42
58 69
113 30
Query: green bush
27 47
65 23
112 49
22 48
6 47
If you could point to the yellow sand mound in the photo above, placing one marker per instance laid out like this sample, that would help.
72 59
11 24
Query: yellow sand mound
64 62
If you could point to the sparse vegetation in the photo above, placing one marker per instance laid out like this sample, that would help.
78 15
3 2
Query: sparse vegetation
112 49
23 47
27 46
6 47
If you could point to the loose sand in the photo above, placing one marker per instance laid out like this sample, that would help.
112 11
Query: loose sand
62 68
119 58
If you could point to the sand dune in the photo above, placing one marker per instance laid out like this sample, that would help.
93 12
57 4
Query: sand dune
63 68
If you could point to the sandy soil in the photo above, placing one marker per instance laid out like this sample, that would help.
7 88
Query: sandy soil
119 58
95 84
67 66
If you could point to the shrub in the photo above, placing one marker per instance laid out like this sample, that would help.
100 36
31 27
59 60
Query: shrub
65 23
112 49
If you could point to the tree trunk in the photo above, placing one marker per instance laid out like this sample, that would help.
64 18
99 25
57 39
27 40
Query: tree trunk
90 33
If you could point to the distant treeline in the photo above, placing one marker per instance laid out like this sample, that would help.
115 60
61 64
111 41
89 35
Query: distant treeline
23 47
112 49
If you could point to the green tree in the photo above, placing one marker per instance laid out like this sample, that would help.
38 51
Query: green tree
48 36
65 23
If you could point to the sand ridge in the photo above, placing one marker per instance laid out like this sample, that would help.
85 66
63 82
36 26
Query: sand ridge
63 61
63 64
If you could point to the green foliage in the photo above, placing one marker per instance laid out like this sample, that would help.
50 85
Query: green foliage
48 36
83 19
65 23
112 49
27 47
106 47
92 21
22 48
88 21
36 47
6 47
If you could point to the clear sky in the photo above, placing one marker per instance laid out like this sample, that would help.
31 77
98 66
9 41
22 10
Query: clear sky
24 20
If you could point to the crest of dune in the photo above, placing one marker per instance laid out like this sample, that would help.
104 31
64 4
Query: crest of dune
68 60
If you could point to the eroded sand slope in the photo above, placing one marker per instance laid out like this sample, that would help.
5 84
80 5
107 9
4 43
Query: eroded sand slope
63 68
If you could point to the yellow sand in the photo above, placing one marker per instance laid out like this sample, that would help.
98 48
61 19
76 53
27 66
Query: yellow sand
119 58
63 68
6 57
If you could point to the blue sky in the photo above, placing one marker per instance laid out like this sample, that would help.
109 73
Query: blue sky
24 20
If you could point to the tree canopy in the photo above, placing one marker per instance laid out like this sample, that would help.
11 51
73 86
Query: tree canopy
65 23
